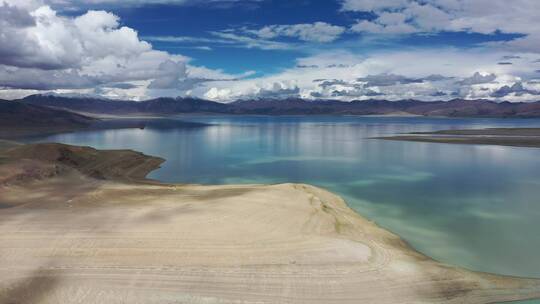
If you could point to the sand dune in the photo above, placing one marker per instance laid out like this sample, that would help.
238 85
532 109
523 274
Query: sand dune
71 238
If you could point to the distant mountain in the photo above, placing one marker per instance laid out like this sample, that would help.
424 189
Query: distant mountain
181 105
82 104
109 106
322 107
452 108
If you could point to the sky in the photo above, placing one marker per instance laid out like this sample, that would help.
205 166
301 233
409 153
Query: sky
225 50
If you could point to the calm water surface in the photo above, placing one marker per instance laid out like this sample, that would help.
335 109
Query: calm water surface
468 205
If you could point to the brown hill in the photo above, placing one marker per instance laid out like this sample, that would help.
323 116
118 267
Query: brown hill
49 159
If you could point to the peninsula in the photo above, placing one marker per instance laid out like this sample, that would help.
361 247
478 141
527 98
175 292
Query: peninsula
516 137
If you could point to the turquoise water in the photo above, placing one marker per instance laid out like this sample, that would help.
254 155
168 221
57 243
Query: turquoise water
467 205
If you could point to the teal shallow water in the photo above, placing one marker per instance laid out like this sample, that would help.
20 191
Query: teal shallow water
467 205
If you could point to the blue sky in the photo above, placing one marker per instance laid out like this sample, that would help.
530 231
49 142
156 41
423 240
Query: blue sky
169 20
229 49
200 20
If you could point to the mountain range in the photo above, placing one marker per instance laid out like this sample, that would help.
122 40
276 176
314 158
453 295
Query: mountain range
171 106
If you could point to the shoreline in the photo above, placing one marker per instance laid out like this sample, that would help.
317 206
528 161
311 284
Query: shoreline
110 123
159 242
513 137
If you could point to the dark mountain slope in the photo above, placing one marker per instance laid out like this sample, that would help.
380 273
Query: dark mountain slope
89 105
17 113
171 106
106 106
19 119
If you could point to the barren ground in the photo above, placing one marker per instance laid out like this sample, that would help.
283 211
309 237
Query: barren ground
79 225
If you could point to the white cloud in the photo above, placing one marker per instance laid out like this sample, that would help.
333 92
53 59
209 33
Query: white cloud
218 94
517 90
382 28
84 4
478 78
267 37
240 40
54 42
478 16
226 38
381 80
42 50
313 32
372 5
390 75
172 73
186 39
267 89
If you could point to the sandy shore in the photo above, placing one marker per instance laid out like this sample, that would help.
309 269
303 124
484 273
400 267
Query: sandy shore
67 237
515 137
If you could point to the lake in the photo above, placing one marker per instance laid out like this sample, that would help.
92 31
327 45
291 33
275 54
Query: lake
469 205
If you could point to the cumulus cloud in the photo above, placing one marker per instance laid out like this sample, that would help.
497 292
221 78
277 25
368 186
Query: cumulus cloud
170 76
36 79
326 83
516 89
278 90
352 93
43 50
442 75
42 39
267 90
14 16
478 78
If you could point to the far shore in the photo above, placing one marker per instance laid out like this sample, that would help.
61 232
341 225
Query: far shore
515 137
101 123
